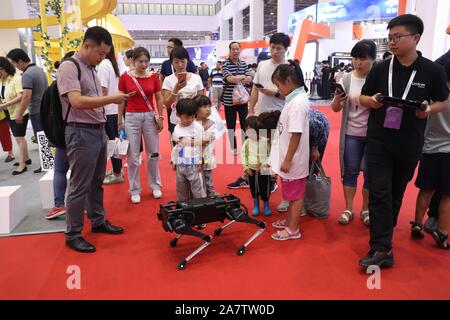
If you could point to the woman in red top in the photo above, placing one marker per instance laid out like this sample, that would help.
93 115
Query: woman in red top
142 120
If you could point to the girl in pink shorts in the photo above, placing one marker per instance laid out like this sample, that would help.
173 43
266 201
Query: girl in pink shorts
289 157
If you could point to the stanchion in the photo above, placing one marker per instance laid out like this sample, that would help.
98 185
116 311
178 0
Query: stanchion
314 94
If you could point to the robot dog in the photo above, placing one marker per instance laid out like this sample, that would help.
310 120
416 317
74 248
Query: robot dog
183 216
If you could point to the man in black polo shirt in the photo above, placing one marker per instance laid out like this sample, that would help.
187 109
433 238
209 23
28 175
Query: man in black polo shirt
395 136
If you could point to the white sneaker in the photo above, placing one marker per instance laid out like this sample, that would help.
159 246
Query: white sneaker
112 179
303 212
136 199
283 206
157 194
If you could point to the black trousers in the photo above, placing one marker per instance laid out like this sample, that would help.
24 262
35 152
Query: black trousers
326 89
433 210
388 177
112 131
260 185
230 117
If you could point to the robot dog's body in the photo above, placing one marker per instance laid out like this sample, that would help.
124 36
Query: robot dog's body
180 217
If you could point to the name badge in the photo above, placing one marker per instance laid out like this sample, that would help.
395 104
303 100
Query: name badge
393 118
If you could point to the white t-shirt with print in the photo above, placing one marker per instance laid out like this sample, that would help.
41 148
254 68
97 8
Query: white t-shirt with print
208 150
358 116
108 79
194 84
187 155
293 119
263 76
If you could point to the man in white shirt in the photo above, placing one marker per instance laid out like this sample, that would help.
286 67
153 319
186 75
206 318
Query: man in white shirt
265 96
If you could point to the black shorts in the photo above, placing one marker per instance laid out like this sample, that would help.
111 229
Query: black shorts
19 129
434 173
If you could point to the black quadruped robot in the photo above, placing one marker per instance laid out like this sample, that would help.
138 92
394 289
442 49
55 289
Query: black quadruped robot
183 216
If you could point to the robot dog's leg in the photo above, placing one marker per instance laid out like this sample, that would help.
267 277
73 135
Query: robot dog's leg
240 215
217 232
241 250
191 232
174 241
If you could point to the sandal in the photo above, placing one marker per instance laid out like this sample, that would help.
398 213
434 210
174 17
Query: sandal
416 230
365 217
346 217
284 234
280 224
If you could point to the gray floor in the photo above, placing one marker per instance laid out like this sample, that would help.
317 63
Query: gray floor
34 222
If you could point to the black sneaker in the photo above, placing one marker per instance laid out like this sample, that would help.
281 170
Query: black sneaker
38 170
383 259
240 183
441 239
273 186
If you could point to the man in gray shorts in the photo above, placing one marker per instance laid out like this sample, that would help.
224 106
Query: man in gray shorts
86 140
34 84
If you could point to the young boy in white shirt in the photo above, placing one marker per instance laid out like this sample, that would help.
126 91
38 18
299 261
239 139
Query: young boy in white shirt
187 155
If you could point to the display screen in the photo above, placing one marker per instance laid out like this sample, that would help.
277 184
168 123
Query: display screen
202 53
345 10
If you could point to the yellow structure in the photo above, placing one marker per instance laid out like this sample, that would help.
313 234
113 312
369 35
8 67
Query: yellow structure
85 13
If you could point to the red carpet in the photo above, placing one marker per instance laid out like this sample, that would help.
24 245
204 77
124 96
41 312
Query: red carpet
140 264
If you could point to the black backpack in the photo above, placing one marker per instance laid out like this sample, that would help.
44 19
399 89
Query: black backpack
53 122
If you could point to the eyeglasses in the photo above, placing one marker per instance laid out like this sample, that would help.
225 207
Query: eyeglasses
396 38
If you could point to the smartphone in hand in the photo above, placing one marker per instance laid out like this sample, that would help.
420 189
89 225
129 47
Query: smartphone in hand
260 86
340 90
182 77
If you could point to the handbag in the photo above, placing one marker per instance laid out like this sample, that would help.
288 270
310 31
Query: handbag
121 148
240 95
220 126
318 192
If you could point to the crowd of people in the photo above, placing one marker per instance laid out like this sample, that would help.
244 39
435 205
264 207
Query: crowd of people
282 137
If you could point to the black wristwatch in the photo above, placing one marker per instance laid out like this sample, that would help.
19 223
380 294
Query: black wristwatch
278 94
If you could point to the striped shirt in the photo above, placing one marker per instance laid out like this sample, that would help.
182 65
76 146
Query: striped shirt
216 77
229 68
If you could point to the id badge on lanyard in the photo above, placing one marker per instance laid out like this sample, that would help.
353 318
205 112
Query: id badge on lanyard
394 115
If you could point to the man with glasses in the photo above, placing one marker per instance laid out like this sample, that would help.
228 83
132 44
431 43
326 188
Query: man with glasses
395 135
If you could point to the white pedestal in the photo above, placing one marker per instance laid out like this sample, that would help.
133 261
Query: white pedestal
46 189
12 209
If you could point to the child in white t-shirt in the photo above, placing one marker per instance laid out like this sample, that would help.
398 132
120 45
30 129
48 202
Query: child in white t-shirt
289 157
209 126
187 154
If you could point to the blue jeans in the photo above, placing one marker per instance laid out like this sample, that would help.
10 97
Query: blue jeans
355 148
36 122
61 166
112 131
